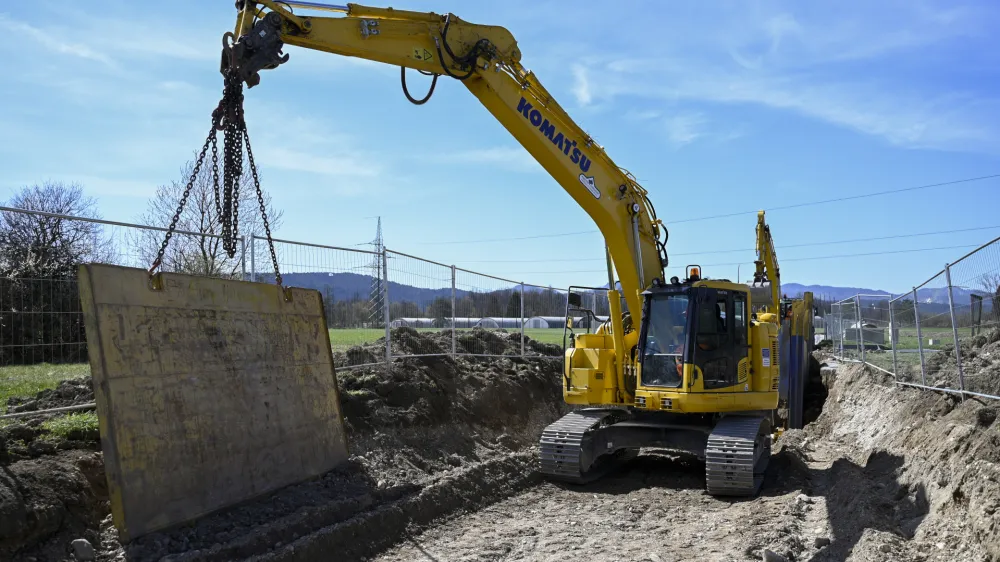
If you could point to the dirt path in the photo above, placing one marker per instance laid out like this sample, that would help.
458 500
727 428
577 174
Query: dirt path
833 493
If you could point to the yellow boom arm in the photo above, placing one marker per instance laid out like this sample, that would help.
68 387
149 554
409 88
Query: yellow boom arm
767 262
486 60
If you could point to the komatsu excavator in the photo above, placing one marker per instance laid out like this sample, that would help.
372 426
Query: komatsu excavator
686 364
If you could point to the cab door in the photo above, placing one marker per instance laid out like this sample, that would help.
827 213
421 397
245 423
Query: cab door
718 349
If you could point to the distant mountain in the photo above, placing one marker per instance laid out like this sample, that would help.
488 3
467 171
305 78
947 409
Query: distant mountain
932 295
349 286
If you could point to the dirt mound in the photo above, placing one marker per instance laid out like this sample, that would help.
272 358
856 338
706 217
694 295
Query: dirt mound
432 435
46 503
980 364
923 470
73 392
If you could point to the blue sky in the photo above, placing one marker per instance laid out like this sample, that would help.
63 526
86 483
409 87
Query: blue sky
716 107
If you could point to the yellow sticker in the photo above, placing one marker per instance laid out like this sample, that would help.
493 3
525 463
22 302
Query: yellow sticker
420 53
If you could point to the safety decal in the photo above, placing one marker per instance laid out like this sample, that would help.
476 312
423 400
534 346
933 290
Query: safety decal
420 53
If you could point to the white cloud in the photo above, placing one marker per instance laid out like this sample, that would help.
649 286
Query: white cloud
871 72
510 158
581 85
685 128
303 161
54 42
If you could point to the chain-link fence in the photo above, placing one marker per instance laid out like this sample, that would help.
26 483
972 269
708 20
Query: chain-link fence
370 297
942 335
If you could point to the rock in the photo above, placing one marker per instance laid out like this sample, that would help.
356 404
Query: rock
885 548
771 556
820 542
454 460
83 550
655 558
802 498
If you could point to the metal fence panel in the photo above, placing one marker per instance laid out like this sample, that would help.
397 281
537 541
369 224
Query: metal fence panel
428 312
903 334
936 336
545 317
350 282
975 281
876 329
488 314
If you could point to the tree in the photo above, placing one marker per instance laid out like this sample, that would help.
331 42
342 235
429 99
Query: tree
202 252
440 311
514 305
42 247
40 316
404 309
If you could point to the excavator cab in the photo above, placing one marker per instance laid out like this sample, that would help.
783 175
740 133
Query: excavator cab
702 326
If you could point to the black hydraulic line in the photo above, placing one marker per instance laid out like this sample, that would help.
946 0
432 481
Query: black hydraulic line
406 92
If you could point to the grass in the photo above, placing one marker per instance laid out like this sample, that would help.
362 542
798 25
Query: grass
28 380
73 425
341 339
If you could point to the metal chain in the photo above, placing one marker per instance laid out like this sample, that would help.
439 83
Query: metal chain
229 118
187 191
263 208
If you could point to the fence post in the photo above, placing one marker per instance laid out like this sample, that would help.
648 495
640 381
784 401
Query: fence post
954 330
253 262
920 338
892 340
861 330
385 300
454 313
243 258
522 319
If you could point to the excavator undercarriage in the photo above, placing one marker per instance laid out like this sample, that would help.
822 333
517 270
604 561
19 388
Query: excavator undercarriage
586 444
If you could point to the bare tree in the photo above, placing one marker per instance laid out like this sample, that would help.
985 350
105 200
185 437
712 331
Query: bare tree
201 253
43 246
40 316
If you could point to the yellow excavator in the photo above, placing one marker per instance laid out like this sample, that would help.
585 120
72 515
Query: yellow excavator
688 364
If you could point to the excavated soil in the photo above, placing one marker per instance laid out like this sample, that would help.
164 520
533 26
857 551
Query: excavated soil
884 473
980 364
431 436
444 470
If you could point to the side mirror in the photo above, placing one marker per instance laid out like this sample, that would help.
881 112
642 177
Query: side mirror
569 322
575 300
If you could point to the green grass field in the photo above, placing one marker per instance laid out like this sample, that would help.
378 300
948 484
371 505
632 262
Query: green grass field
28 380
341 339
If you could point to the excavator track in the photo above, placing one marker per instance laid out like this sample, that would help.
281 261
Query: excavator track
562 444
736 455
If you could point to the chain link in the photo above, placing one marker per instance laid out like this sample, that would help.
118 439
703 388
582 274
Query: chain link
229 118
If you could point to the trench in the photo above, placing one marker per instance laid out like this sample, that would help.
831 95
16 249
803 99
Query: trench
879 473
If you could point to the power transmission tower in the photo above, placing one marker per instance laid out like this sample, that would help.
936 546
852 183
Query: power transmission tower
376 298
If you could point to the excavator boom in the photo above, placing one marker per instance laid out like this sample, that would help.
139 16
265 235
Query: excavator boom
487 60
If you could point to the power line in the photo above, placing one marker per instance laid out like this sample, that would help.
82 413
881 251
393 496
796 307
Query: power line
837 256
782 247
840 199
728 215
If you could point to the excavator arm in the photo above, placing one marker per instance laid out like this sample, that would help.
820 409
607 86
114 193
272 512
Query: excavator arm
486 60
767 277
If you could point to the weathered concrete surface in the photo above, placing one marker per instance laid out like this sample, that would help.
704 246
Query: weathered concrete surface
209 392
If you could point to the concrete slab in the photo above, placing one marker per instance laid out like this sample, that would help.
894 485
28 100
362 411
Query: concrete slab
209 392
